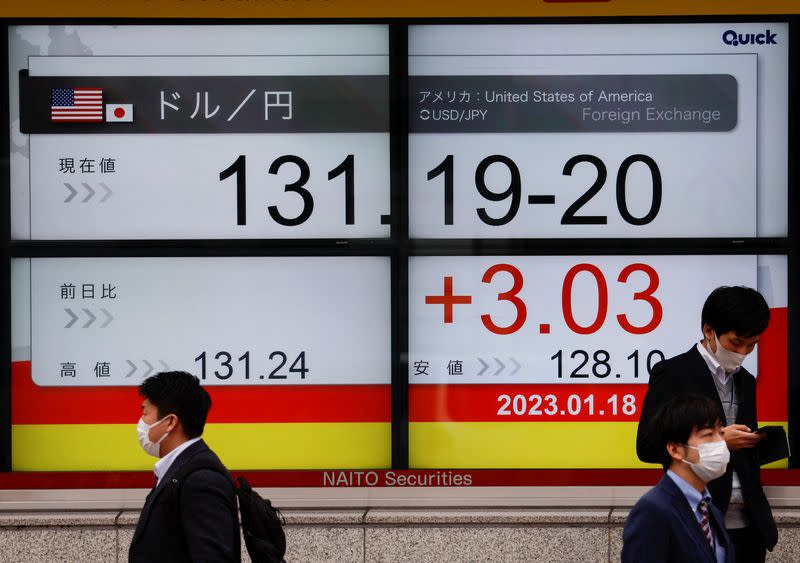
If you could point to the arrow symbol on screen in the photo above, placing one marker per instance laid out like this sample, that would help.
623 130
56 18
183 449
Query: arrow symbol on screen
150 367
108 192
72 192
484 368
516 366
92 318
88 189
109 318
502 367
73 318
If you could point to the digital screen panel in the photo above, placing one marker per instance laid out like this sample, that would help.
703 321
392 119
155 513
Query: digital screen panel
543 362
282 132
217 132
296 353
640 130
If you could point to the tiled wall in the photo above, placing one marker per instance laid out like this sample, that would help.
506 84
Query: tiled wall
376 535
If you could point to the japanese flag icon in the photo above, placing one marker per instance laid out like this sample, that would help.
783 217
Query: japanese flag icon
117 113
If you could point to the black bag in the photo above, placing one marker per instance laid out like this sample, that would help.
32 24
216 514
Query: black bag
262 525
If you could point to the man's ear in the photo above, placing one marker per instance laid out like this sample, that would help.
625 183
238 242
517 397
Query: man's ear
675 451
173 423
708 332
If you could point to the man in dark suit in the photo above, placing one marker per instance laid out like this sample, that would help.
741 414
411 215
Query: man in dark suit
676 521
186 517
732 321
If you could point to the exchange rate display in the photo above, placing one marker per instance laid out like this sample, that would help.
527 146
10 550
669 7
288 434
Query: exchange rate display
598 131
511 358
171 132
230 200
262 132
289 387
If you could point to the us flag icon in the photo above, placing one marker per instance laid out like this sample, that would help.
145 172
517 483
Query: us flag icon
76 104
119 113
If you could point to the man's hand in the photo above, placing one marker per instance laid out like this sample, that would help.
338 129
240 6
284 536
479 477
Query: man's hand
739 437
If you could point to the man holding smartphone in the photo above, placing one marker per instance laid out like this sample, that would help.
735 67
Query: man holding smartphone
732 321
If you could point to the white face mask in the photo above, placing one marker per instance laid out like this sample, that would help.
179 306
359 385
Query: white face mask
714 458
730 361
143 430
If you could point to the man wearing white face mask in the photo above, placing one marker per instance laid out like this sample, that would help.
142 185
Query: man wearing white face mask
189 515
676 521
732 321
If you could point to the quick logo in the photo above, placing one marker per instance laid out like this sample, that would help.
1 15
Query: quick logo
734 39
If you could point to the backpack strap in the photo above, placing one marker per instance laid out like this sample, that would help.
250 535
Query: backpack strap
172 491
196 465
172 488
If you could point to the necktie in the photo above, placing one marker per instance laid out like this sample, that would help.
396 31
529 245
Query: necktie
704 523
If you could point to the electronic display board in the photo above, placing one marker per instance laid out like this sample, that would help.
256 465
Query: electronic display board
510 356
296 352
280 135
575 131
199 132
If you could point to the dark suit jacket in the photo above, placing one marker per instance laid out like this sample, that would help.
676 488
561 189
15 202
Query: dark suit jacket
197 521
689 373
661 528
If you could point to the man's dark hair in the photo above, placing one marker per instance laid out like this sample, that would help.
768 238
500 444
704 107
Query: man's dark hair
740 309
178 393
678 417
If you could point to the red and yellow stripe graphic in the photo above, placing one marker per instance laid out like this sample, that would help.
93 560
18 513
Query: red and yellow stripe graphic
250 427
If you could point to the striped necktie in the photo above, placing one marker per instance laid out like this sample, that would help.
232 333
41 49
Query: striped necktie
704 523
